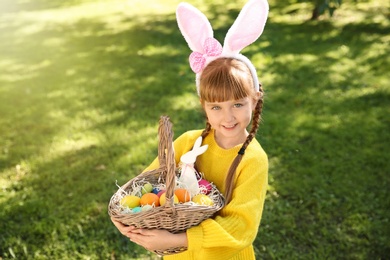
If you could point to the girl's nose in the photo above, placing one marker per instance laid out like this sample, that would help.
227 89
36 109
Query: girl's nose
228 116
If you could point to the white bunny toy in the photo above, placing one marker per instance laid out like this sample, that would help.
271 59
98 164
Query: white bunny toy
198 33
188 174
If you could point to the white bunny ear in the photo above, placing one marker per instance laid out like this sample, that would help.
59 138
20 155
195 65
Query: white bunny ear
194 26
247 28
198 143
201 150
198 149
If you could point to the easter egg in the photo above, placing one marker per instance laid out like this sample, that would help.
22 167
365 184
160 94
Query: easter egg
155 190
147 207
160 193
150 199
163 199
202 199
146 188
205 186
136 209
130 201
183 195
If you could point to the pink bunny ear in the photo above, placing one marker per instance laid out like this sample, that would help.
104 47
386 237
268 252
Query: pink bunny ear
194 26
248 26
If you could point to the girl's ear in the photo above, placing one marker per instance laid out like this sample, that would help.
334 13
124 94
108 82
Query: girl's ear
259 95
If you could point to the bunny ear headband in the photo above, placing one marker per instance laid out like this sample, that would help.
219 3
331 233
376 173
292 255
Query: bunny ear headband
198 33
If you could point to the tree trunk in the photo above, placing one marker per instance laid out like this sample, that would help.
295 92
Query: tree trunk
315 14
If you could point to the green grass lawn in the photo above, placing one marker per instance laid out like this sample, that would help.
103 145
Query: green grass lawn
82 87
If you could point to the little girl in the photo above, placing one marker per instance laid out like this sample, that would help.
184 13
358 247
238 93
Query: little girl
235 162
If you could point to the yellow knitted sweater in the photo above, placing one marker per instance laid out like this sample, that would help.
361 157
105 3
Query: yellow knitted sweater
231 233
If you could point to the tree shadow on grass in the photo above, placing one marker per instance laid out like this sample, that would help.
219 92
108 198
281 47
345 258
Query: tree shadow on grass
329 153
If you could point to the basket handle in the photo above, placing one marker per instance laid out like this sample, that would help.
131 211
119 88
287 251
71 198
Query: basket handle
166 156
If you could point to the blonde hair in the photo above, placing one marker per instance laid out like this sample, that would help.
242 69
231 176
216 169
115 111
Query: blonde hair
227 79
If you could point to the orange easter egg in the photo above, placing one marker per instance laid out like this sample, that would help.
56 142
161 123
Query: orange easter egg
183 195
150 199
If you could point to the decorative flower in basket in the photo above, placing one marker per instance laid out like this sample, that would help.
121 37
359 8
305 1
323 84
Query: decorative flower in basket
167 212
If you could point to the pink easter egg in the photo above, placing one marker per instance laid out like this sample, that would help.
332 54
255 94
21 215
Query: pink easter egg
204 186
160 193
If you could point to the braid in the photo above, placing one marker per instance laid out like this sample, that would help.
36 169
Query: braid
229 181
206 131
255 121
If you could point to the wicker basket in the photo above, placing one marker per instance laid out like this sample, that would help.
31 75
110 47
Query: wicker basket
172 217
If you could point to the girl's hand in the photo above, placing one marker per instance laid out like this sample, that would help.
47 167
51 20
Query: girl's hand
155 239
125 230
152 239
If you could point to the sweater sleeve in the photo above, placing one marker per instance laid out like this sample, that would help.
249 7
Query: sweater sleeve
236 225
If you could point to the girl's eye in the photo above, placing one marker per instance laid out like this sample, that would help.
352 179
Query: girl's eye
215 108
238 105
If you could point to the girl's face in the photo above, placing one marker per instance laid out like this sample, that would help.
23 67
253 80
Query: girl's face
230 120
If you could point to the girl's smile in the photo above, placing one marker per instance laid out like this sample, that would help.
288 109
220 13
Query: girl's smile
230 127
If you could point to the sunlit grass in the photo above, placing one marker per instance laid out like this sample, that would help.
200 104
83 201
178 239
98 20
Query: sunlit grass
82 86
